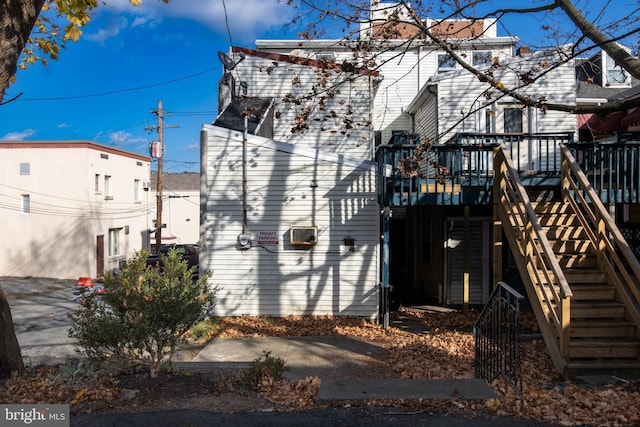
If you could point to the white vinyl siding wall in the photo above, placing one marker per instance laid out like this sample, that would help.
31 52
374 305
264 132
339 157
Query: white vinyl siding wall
342 125
280 280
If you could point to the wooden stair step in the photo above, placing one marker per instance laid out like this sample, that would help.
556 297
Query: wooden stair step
577 260
627 367
593 291
575 246
607 349
549 207
602 328
574 275
597 310
565 233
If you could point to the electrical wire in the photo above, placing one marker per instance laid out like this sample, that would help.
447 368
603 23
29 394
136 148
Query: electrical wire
112 92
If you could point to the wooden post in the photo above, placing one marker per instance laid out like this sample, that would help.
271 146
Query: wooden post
159 182
465 281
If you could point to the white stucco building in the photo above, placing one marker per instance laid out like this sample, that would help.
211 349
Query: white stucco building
70 208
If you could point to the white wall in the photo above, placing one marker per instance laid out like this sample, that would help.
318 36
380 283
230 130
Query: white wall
288 185
340 123
57 238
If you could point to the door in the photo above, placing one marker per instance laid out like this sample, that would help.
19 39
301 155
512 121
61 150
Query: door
478 263
100 255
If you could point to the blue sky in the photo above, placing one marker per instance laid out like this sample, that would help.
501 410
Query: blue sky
105 86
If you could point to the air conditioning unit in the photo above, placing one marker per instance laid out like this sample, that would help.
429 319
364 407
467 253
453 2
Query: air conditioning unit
303 236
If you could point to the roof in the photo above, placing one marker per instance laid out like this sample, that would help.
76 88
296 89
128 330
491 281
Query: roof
343 67
232 117
183 181
58 144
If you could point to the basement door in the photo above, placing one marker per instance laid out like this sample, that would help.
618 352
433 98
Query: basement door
479 262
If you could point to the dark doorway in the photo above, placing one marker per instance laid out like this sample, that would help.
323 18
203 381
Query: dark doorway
100 255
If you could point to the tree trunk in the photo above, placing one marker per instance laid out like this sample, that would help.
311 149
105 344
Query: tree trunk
17 18
10 356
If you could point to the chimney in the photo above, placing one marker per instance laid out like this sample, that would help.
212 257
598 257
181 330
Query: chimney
523 51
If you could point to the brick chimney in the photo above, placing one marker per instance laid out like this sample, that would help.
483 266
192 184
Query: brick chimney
523 51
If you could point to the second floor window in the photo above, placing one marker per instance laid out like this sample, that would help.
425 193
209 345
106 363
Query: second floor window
446 63
137 184
513 120
26 203
107 186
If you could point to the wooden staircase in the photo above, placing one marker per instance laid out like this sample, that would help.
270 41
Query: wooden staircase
601 335
581 278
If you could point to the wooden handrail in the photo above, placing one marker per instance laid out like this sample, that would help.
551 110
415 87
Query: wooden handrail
538 265
614 252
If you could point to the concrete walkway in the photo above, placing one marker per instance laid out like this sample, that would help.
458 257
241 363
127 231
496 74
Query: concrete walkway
334 359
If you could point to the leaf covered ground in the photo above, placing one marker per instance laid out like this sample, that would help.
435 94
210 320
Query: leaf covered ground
440 345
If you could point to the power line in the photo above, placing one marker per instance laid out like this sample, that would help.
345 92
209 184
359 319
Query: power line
112 92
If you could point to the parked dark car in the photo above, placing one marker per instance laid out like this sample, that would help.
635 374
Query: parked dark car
188 253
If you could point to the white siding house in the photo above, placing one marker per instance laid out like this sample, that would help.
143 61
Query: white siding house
290 222
405 67
70 208
458 101
287 186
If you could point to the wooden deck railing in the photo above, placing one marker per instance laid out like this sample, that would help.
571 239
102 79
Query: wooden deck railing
614 254
547 288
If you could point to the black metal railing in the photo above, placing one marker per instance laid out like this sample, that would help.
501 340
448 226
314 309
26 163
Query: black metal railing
497 338
612 168
461 171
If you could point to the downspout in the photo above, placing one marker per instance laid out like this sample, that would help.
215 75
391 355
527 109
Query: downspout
244 175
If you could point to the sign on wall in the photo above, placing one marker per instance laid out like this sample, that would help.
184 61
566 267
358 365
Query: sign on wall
268 238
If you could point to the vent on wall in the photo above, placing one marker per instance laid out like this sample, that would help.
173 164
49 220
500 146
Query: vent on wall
303 235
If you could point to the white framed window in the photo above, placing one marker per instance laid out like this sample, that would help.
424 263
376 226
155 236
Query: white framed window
25 168
481 57
137 186
26 203
446 63
114 241
96 184
616 76
513 122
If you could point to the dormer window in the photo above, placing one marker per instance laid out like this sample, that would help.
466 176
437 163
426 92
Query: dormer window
615 74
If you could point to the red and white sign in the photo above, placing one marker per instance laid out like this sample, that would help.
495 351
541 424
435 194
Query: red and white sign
268 238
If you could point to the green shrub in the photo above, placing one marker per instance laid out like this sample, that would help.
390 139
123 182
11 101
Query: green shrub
264 367
143 313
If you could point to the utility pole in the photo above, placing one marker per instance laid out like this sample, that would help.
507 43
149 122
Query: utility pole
160 154
159 180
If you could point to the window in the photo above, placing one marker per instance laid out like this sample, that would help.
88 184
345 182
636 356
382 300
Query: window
26 203
114 241
481 57
25 168
137 184
107 187
325 56
446 63
615 74
512 120
96 183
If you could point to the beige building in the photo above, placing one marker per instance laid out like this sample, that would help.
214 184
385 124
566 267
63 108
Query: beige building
70 208
180 207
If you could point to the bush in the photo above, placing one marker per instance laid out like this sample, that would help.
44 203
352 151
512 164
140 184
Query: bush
143 313
264 368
